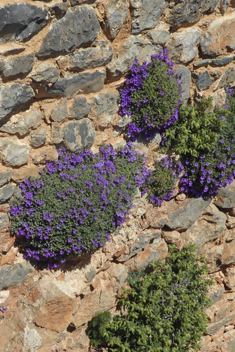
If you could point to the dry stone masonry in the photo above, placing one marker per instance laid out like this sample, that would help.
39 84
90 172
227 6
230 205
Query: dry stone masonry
62 63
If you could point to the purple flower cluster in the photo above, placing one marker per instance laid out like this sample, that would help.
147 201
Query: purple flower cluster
78 201
2 310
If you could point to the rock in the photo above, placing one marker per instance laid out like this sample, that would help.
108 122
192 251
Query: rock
156 216
13 98
213 328
45 73
6 242
46 155
182 46
6 192
57 133
146 14
76 29
79 134
231 345
16 66
114 14
24 123
106 106
59 9
134 47
186 215
5 177
25 172
15 276
224 60
159 36
79 2
90 57
10 49
201 63
171 237
4 222
124 121
185 79
38 138
190 11
203 80
60 112
32 339
90 274
225 197
80 108
21 21
14 154
228 77
219 98
219 37
79 83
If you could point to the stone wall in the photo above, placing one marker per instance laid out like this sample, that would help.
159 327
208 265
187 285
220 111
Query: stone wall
61 66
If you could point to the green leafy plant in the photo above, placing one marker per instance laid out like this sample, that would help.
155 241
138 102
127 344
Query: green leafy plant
197 129
163 311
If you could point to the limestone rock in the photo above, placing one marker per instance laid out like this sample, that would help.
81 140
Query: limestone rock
204 80
146 14
25 172
45 155
60 112
6 192
24 123
182 46
228 77
134 47
171 237
14 154
59 8
45 73
38 138
78 83
14 97
159 36
185 79
106 106
80 108
15 276
225 197
57 133
219 36
91 57
32 339
6 241
21 21
114 14
76 29
79 134
17 66
4 221
5 177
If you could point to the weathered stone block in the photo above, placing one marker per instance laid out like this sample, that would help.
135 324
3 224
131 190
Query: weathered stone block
57 133
38 138
185 79
6 192
14 154
203 80
45 155
228 77
45 73
80 108
79 134
16 66
5 177
60 112
225 197
15 276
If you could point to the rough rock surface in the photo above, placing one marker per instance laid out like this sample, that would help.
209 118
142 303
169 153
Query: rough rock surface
6 193
38 138
159 36
57 134
106 106
15 276
203 80
45 73
75 29
185 79
78 83
80 108
21 21
14 97
60 112
17 66
225 197
5 177
79 134
145 14
45 155
24 123
228 77
14 154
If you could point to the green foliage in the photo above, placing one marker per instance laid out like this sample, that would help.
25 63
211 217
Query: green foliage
96 328
163 310
197 129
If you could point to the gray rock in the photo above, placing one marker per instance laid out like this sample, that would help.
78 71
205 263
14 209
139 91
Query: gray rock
5 177
15 275
190 11
14 154
219 98
202 63
231 345
59 8
75 29
17 66
106 106
4 221
203 80
24 123
205 44
11 49
224 4
38 138
159 36
45 73
88 82
6 193
79 134
225 197
212 329
21 21
46 155
80 108
124 121
79 2
90 57
216 296
60 112
224 60
134 47
57 134
90 274
146 14
185 79
182 46
186 216
114 14
228 77
14 97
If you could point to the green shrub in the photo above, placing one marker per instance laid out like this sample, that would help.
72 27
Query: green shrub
164 309
76 204
197 129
